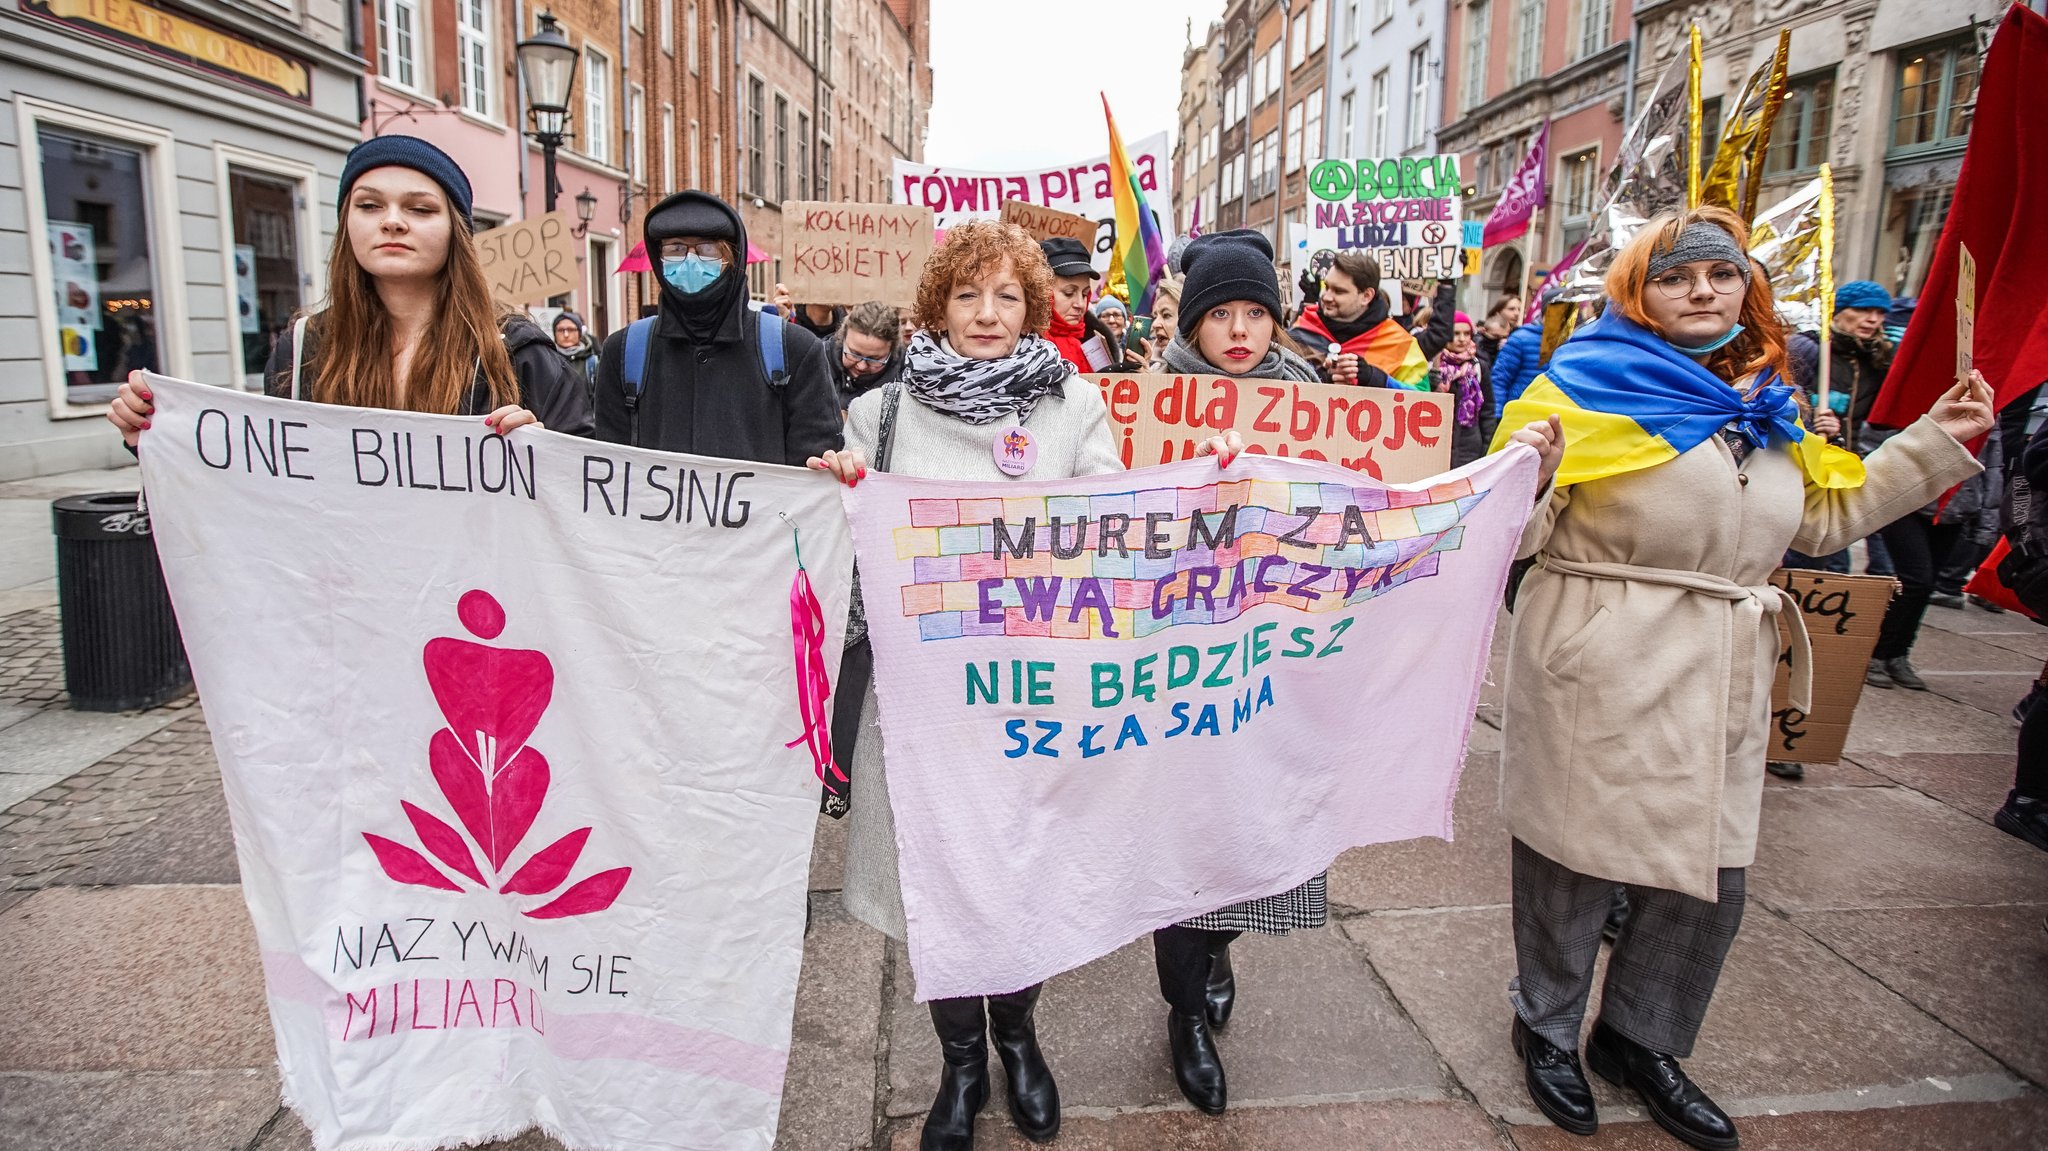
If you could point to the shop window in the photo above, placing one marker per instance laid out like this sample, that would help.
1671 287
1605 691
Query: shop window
1912 222
398 42
1799 139
781 148
1710 133
473 53
1478 23
1936 92
597 105
266 255
1578 180
104 269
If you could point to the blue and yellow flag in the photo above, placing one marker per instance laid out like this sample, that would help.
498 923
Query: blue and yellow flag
1629 400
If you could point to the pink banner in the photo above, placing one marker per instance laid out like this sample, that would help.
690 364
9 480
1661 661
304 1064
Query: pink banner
1117 702
1523 194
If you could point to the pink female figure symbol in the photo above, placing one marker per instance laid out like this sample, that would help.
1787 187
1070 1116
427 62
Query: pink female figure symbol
492 699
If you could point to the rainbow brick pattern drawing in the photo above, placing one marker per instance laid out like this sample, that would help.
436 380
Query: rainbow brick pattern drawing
1129 564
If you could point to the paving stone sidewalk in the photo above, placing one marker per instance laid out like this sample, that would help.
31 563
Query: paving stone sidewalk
1889 988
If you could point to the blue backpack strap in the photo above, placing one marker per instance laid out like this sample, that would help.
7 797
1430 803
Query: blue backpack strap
771 346
634 370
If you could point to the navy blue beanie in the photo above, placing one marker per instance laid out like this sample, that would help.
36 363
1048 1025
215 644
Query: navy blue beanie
407 152
1862 294
1225 266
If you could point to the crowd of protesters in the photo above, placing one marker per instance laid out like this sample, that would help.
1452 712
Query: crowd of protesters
1004 334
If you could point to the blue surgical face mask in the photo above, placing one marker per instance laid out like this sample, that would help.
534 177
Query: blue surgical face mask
1712 346
692 273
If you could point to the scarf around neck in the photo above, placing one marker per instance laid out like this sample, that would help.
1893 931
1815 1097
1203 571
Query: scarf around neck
1461 378
1629 400
1278 364
983 391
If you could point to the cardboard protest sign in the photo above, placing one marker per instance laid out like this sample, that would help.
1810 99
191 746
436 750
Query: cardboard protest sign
1389 434
518 827
1259 669
1404 212
529 261
1842 617
1966 314
853 253
1045 223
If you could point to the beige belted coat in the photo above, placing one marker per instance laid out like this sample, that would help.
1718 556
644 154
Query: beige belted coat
1645 641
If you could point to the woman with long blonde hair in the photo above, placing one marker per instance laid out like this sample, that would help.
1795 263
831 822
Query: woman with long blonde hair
1645 643
409 322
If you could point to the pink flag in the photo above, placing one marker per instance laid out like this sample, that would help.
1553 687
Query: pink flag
1523 194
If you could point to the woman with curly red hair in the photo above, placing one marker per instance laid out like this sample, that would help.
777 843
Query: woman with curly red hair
1645 643
984 397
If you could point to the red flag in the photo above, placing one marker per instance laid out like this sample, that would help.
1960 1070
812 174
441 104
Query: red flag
2004 170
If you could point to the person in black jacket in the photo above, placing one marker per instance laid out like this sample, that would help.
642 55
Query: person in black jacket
405 296
705 387
1859 356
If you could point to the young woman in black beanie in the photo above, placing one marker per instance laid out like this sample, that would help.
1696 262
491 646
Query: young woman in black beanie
1229 325
409 323
1229 322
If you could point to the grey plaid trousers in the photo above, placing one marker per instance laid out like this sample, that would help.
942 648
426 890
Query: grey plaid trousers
1661 975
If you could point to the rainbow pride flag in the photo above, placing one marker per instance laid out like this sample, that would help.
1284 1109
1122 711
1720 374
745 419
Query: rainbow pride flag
1629 400
1140 255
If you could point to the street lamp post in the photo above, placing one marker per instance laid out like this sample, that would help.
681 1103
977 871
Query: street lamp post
547 61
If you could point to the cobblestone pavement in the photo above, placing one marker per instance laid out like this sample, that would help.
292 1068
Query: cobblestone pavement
1887 990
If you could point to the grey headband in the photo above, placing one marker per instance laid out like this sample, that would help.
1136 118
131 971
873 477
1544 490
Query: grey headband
1700 241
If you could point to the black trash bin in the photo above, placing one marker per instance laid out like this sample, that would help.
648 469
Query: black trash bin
121 645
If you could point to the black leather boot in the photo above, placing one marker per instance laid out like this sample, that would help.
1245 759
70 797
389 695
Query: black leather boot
1221 994
1196 1067
1034 1097
963 1085
1674 1102
1556 1084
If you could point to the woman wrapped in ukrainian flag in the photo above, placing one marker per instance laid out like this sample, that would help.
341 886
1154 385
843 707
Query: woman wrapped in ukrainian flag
1645 643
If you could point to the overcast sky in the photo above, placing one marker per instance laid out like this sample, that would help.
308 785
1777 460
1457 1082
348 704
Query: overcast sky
1017 86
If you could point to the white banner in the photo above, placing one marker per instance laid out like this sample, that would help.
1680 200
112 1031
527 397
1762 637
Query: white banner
502 724
958 195
1117 702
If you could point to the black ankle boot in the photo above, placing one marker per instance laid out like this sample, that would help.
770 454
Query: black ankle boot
1674 1102
1196 1067
1555 1083
1221 994
963 1085
1034 1097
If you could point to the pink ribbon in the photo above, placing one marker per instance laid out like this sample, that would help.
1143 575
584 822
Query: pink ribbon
813 687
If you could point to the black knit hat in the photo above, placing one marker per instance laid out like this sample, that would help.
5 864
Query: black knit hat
407 152
1223 267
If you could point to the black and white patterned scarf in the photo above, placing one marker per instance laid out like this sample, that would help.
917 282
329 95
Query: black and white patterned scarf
983 391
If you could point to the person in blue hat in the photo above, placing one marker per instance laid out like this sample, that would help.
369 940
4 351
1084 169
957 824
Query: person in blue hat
1860 352
1861 355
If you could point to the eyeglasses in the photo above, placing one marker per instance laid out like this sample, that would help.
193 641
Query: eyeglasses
1677 285
676 249
850 354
